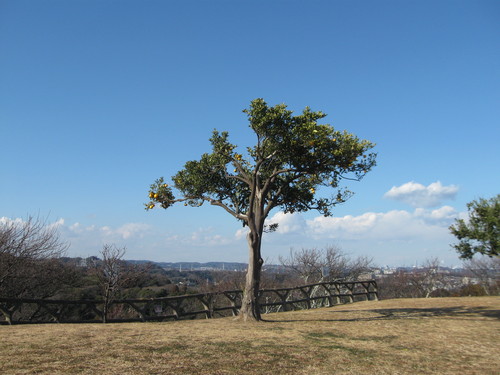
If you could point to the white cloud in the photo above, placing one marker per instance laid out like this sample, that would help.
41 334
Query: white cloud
132 230
204 237
385 226
445 215
6 220
396 225
418 195
55 224
241 233
288 223
88 240
343 227
123 232
394 237
75 227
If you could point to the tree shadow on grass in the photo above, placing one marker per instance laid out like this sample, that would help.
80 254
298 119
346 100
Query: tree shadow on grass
457 312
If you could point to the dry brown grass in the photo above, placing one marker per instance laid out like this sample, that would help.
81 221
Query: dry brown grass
406 336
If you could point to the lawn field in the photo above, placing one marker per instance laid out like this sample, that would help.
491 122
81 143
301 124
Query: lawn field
403 336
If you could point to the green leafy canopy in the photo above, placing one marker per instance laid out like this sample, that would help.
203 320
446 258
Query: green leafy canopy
293 157
481 234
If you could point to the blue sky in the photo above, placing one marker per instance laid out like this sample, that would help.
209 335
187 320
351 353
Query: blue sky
100 98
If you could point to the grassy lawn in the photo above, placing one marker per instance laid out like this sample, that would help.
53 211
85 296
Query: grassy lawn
405 336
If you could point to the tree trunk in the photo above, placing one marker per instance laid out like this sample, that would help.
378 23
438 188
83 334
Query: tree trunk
107 294
250 309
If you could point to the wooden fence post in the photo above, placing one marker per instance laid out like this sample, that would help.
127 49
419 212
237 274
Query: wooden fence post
284 299
306 291
9 311
207 303
232 297
375 290
329 296
141 312
350 287
337 293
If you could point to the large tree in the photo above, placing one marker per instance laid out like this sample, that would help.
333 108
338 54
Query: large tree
481 234
293 160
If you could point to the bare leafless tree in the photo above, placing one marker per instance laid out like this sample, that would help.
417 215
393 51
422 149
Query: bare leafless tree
428 278
318 265
25 246
487 271
308 264
341 267
321 265
397 285
114 274
109 273
423 282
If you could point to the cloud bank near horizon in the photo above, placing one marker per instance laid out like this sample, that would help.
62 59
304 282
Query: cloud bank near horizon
394 224
394 231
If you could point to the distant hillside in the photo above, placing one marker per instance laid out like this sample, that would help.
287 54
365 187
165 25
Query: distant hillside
196 266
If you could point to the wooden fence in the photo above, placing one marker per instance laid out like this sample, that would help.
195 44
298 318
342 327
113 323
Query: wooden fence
192 306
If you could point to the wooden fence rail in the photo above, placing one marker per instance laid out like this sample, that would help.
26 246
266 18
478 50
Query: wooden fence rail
207 305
